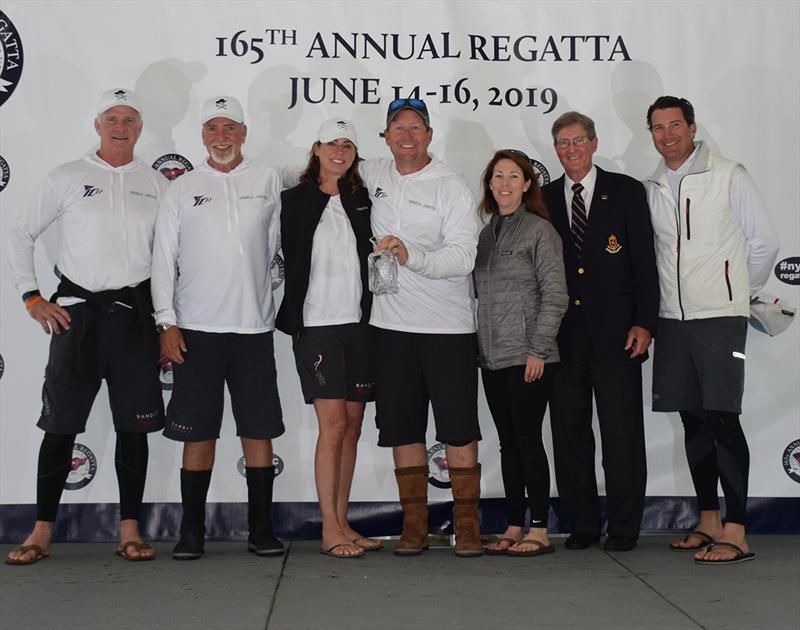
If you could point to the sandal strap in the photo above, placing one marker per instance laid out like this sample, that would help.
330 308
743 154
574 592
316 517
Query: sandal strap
728 545
705 538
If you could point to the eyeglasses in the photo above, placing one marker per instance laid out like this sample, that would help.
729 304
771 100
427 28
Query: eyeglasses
578 142
413 103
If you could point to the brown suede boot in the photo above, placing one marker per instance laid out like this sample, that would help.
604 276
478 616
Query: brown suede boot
412 482
466 484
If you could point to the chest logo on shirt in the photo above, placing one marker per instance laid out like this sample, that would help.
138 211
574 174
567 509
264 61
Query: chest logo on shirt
613 246
199 200
507 252
91 191
380 194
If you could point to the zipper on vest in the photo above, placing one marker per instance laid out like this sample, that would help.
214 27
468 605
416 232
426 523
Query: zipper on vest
678 253
688 221
688 234
728 280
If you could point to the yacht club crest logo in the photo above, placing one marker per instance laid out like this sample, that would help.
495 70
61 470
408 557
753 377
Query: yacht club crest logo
277 272
11 58
276 461
613 246
172 166
165 375
5 173
791 460
438 470
83 467
542 175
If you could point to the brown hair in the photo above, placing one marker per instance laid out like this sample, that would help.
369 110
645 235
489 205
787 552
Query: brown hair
532 198
311 173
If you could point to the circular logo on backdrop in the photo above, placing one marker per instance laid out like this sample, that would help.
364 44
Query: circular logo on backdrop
2 366
276 461
277 272
438 471
10 58
165 375
541 171
5 173
172 166
788 270
791 460
83 467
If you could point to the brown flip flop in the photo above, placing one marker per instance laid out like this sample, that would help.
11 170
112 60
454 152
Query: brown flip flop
504 550
331 551
540 549
705 539
23 549
377 547
122 551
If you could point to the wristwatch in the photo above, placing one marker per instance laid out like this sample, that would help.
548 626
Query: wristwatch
162 328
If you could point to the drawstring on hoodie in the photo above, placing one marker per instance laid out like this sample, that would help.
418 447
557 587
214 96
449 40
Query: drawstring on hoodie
124 216
122 210
232 210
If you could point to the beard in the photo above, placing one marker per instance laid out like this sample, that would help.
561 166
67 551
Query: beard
223 157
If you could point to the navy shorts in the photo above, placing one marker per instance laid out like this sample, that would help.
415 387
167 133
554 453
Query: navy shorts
413 370
132 376
247 364
699 364
333 362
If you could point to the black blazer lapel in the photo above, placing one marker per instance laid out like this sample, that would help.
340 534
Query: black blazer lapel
598 211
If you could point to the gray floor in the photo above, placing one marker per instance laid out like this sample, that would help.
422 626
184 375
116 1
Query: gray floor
86 587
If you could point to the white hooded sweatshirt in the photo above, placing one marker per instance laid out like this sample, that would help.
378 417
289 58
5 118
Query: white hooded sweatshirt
106 217
434 213
216 236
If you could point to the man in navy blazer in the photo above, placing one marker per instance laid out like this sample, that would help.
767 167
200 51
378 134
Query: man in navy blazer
609 258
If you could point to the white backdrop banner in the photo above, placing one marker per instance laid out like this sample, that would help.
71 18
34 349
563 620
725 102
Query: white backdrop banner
494 75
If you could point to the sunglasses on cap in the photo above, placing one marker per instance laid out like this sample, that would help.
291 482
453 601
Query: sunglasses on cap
413 103
522 154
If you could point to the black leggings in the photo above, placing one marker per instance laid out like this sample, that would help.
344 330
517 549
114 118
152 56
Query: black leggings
55 462
518 411
716 450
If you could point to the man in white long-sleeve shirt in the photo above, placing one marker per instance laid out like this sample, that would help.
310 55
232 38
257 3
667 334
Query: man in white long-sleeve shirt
715 247
105 205
216 235
425 345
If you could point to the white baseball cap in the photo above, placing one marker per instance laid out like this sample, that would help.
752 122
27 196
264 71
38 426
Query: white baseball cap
770 315
334 128
222 107
115 97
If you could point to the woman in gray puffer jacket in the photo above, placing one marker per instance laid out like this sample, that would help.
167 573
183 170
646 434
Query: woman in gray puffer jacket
522 296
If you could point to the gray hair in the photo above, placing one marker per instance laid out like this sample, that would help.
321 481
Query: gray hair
574 118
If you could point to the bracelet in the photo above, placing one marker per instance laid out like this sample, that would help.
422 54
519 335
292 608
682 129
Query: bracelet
33 300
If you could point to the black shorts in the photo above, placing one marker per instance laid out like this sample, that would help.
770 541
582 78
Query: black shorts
134 389
247 364
414 369
699 364
333 362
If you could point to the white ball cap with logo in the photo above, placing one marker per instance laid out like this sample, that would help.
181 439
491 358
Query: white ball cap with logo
222 107
335 128
116 97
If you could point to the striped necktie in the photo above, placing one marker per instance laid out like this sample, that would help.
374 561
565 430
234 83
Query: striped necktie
578 218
